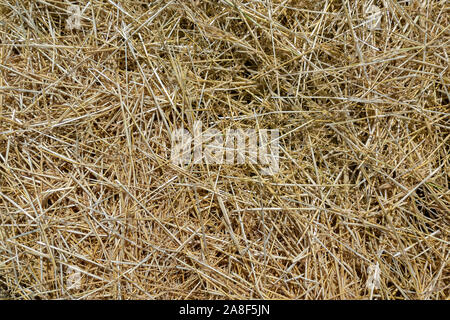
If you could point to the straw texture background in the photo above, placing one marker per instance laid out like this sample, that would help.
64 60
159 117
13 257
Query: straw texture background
91 207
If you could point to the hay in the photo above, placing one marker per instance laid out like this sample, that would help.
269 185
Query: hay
92 207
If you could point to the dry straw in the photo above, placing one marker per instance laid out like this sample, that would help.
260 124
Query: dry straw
92 207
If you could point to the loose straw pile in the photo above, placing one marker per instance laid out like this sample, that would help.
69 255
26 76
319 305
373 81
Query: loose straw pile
91 206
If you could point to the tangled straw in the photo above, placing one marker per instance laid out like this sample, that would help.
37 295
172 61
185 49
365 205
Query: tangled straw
91 207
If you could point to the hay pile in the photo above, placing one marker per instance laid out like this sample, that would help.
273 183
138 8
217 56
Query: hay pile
92 207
